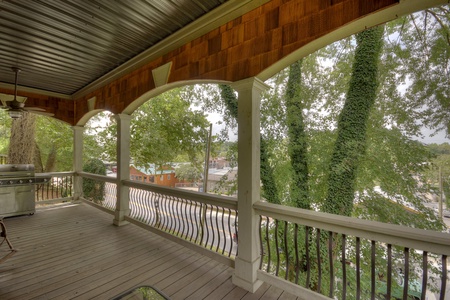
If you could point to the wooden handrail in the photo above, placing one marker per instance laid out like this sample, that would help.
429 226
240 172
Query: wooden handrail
419 239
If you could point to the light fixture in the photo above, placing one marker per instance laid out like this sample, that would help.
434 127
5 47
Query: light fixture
15 114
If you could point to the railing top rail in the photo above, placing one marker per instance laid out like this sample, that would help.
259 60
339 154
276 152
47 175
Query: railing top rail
55 174
419 239
221 201
97 177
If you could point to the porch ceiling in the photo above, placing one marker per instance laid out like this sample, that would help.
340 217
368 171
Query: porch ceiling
63 46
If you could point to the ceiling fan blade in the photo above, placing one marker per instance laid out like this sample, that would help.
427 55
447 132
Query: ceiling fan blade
9 98
32 109
42 113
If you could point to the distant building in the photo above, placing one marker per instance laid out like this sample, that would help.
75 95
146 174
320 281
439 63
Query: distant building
218 163
141 174
222 180
162 176
221 177
165 176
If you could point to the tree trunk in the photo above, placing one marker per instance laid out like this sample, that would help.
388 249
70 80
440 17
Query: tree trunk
38 166
21 143
352 125
297 146
51 160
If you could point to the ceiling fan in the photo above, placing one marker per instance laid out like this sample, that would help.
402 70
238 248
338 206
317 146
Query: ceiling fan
15 105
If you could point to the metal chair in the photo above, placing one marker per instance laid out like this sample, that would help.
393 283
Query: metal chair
3 234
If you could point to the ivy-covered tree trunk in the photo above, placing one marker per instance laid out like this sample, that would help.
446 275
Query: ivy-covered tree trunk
297 146
51 159
352 124
92 189
38 165
21 143
270 191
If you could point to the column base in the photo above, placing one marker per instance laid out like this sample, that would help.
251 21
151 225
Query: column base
120 223
245 275
119 217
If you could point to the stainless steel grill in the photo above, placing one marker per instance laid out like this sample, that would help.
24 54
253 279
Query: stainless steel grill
17 189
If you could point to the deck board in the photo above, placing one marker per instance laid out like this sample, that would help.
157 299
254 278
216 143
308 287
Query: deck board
74 252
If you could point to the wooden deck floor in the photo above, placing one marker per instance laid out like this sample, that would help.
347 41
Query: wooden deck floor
74 252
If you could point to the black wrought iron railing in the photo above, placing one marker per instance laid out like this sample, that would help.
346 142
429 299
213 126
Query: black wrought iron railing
100 190
348 258
58 189
209 221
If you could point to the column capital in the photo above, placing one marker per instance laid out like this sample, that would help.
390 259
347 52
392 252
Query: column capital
122 117
250 83
77 128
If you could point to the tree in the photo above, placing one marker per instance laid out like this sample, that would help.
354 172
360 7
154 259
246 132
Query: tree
92 189
189 173
5 132
165 127
39 140
53 145
439 170
423 47
352 125
21 144
100 138
297 147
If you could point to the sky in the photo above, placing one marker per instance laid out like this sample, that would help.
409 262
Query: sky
428 138
439 138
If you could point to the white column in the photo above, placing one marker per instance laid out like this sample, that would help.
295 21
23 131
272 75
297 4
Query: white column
247 262
123 168
77 161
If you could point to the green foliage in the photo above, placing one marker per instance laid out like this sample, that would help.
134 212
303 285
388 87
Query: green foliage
423 47
92 189
439 149
270 190
165 127
351 141
229 99
100 136
440 165
54 141
189 173
5 131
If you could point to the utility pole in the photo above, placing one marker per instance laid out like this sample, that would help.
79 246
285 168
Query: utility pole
441 192
203 207
207 154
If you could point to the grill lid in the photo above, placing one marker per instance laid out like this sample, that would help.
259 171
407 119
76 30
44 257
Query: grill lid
19 174
15 169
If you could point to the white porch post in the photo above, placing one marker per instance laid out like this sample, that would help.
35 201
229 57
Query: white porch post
77 161
123 168
247 262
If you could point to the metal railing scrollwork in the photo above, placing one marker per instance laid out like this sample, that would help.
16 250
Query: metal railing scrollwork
202 219
349 258
58 189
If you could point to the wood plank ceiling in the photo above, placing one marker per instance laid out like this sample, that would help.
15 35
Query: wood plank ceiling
62 46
